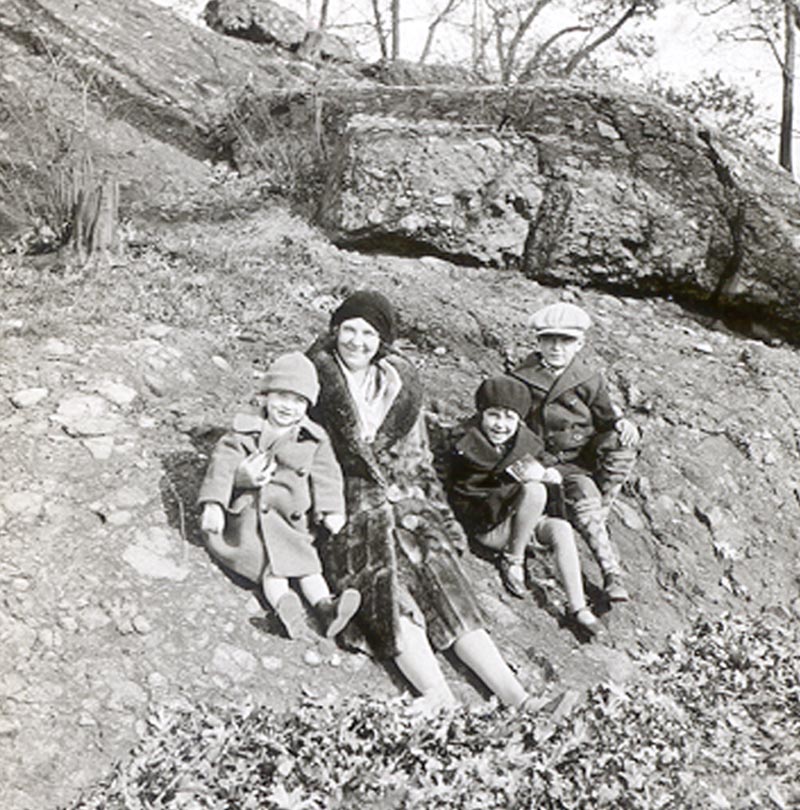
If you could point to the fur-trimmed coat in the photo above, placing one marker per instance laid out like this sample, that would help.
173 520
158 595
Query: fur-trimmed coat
569 411
482 492
400 545
273 525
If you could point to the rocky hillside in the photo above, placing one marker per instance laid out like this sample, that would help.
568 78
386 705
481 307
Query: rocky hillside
117 377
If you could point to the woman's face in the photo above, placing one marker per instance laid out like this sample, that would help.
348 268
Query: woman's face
357 343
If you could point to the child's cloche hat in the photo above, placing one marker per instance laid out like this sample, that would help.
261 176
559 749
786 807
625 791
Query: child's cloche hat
503 392
292 372
560 319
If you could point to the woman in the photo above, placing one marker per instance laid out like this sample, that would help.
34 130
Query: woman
398 547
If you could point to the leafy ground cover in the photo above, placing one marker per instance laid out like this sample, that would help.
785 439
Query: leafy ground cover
714 723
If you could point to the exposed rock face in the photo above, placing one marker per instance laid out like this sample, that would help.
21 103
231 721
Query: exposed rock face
573 185
160 73
256 20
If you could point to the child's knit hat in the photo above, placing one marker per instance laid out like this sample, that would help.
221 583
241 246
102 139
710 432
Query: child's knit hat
560 319
503 392
373 307
292 372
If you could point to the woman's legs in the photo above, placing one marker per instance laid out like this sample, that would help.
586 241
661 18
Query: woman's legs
477 650
419 665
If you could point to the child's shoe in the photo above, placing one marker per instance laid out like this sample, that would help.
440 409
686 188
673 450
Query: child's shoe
586 620
512 572
335 612
614 590
290 612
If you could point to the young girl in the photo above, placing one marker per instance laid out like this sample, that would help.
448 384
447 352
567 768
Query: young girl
499 492
269 481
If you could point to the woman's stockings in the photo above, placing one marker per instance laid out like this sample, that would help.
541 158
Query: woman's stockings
477 650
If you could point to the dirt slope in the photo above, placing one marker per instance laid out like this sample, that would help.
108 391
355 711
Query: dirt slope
115 380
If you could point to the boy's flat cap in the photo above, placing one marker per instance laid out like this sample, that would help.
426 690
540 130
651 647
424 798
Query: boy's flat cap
560 319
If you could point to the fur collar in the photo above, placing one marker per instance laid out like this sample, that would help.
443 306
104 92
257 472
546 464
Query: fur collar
335 410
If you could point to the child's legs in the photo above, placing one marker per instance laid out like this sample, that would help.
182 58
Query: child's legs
588 516
274 588
613 465
513 535
417 660
477 650
314 588
558 535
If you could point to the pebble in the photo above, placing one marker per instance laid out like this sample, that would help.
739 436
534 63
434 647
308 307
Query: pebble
271 663
153 565
28 396
237 664
141 625
58 348
221 363
312 658
94 618
24 504
100 447
118 393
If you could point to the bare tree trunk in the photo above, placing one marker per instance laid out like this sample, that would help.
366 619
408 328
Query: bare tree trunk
381 34
395 10
787 101
323 14
93 209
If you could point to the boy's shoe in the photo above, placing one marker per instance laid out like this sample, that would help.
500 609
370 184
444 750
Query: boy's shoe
336 612
585 619
614 590
290 612
512 572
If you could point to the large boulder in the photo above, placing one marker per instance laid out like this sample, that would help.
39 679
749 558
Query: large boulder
258 21
573 184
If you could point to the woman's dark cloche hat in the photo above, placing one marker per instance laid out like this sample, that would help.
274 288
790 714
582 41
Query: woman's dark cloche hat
503 392
373 307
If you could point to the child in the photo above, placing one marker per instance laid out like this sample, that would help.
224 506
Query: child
585 435
268 481
499 491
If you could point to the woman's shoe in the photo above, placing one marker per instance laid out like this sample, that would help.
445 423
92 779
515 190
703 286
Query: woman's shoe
585 619
512 572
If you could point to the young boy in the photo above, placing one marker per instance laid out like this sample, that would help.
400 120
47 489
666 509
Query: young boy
499 491
585 435
268 482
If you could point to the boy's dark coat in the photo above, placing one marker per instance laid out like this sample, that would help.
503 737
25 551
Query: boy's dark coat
401 536
272 524
568 412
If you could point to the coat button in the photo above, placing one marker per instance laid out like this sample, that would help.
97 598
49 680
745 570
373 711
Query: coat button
295 516
300 473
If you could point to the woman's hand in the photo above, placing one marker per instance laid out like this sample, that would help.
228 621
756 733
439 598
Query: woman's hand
254 472
628 432
334 522
213 519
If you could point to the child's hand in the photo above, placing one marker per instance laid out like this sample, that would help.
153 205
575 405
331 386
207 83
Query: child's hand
213 519
334 522
628 432
254 472
552 476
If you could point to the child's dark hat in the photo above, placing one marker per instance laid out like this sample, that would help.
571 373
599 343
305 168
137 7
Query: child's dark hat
503 392
373 307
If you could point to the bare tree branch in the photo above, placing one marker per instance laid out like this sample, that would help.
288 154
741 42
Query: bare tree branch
443 14
583 53
533 63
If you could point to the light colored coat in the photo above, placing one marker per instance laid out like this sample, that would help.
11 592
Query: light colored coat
273 526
